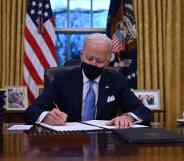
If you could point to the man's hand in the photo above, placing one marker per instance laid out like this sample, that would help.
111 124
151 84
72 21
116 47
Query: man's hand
55 117
122 121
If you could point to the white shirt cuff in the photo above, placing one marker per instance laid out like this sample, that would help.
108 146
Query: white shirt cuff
42 116
138 120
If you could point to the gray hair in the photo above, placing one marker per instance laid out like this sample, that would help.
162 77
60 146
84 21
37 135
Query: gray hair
98 36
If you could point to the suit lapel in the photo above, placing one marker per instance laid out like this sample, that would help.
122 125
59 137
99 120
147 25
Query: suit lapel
103 92
77 88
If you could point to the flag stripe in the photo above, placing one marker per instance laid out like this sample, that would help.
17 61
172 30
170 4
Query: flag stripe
49 42
49 26
30 82
34 60
34 73
40 41
36 48
30 95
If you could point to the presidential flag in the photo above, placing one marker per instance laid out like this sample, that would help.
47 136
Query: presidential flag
121 28
39 44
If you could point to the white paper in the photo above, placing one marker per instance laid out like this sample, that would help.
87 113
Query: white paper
85 126
100 123
20 127
104 124
180 120
71 126
138 125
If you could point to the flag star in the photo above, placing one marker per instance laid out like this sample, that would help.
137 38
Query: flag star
32 11
39 12
34 3
133 74
129 77
40 5
47 6
45 14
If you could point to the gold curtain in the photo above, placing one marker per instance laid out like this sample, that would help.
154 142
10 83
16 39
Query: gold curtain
12 15
160 59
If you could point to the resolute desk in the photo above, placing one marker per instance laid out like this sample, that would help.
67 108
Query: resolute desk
39 145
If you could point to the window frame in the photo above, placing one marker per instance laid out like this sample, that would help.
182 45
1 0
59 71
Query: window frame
69 31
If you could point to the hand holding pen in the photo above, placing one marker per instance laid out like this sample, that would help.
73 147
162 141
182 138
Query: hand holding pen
55 116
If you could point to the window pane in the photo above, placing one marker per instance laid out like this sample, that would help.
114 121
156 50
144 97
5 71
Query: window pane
79 19
62 48
58 5
99 19
101 4
61 19
79 14
69 46
100 11
76 41
80 4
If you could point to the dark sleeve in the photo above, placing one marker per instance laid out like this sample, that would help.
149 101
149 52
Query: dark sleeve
43 103
130 102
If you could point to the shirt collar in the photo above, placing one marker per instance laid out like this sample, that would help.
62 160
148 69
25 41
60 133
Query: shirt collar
85 79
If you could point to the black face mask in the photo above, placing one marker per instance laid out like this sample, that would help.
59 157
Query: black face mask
91 71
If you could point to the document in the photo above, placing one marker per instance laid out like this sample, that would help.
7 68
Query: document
20 127
71 126
100 123
104 124
84 126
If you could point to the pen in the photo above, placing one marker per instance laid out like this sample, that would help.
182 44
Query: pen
55 105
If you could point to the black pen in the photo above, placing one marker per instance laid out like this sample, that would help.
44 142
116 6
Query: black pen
55 105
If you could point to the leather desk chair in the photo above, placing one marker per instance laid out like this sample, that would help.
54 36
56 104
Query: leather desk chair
50 73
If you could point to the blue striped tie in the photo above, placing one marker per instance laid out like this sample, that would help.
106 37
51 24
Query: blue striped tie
89 104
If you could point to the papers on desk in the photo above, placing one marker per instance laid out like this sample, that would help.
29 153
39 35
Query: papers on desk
100 123
84 126
180 120
71 126
104 124
20 127
74 126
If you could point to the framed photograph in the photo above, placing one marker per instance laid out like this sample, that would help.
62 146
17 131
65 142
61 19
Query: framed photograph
150 98
16 98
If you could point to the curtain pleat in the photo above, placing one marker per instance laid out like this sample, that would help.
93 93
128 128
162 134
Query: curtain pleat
11 43
160 39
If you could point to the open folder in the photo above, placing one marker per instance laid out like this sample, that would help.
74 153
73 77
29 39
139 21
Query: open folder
149 136
83 126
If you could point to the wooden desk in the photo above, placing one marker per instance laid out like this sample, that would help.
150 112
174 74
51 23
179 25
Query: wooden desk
13 116
93 146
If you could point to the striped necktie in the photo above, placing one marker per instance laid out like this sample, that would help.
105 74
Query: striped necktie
89 104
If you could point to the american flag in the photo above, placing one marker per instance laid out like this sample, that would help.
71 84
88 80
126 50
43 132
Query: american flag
117 41
39 44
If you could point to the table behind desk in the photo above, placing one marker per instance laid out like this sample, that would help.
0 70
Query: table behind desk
90 146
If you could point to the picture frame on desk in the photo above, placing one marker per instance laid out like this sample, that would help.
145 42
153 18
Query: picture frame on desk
150 98
16 98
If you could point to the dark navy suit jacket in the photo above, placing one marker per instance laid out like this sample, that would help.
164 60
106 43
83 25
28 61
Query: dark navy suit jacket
66 91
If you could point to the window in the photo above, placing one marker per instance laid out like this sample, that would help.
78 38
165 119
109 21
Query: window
75 19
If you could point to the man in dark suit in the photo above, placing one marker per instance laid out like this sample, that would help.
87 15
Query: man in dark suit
89 92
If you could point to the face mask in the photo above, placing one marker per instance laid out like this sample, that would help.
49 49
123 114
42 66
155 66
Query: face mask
91 71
